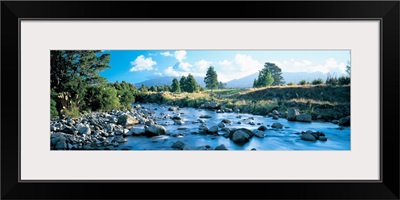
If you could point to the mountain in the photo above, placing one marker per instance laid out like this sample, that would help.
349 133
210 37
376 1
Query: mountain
294 77
167 81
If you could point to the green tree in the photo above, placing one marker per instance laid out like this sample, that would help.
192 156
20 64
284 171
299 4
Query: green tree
221 85
182 83
264 79
191 84
211 79
276 73
71 73
175 87
143 88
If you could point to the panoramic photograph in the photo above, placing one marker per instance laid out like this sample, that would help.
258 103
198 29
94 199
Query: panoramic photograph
171 100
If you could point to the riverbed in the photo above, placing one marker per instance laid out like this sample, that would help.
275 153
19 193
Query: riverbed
287 138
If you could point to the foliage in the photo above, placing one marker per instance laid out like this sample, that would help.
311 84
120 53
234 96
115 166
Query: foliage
72 72
264 79
221 85
291 83
191 84
276 73
182 83
211 79
303 82
344 80
175 87
143 88
317 81
331 80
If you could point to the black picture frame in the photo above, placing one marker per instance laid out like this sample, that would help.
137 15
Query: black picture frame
386 11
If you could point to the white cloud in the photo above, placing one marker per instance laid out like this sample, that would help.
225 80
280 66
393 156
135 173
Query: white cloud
158 74
202 65
185 66
142 63
241 66
180 55
167 53
330 66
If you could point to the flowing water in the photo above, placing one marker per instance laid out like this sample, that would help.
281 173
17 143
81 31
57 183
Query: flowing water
275 139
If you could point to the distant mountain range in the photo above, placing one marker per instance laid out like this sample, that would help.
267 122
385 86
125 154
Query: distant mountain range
167 81
294 77
243 82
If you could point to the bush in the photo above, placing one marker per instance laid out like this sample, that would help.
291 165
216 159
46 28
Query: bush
331 80
303 82
72 112
344 80
290 83
53 109
317 81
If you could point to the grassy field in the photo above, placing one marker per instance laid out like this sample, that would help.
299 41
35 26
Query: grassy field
330 102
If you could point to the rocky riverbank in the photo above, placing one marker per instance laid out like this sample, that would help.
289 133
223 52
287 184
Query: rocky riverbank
109 130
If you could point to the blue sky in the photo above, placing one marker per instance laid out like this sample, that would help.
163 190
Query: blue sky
139 65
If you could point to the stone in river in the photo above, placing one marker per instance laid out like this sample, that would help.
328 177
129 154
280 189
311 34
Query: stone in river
259 133
242 135
276 125
205 116
292 113
221 147
155 130
345 121
226 121
307 137
213 129
221 125
322 138
262 128
178 145
303 118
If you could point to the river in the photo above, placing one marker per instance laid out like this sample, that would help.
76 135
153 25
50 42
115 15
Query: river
275 139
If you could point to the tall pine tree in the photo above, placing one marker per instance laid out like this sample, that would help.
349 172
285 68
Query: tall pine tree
211 79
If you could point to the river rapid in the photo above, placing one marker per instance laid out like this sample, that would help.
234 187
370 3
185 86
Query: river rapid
287 138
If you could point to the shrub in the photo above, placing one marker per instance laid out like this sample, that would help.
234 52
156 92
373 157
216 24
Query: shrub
303 82
53 109
72 112
344 80
317 81
290 83
331 80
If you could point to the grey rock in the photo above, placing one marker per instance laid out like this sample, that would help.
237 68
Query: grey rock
262 128
61 145
303 118
221 147
242 135
322 138
292 113
335 121
205 116
276 125
172 109
178 145
213 129
127 120
259 134
155 130
84 130
307 137
178 122
221 125
345 121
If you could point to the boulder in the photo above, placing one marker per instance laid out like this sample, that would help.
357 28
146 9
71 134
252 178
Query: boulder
135 131
292 113
178 145
335 121
172 109
226 121
127 120
149 122
205 116
84 130
259 134
178 122
307 137
221 125
242 135
61 145
275 112
221 147
275 117
303 118
262 128
322 138
213 129
155 130
345 121
69 130
277 125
